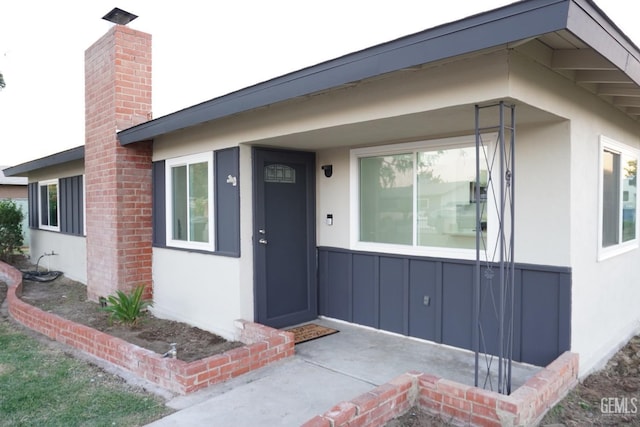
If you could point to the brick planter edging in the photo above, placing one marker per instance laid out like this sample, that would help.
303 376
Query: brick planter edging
457 403
263 345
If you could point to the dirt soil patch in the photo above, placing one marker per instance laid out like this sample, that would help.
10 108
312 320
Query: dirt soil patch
609 397
416 417
68 299
597 401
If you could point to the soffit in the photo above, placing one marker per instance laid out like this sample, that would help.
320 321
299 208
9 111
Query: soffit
451 121
568 55
23 169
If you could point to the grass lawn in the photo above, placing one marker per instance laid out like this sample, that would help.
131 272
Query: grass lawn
41 385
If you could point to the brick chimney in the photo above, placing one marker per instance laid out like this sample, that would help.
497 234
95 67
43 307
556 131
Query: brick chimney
117 179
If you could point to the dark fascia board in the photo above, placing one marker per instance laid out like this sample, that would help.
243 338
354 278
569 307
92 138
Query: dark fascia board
591 25
514 22
518 21
610 27
70 155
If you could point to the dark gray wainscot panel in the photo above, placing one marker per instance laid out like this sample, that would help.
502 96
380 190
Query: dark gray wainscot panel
432 299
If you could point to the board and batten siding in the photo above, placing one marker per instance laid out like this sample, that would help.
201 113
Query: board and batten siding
70 205
432 299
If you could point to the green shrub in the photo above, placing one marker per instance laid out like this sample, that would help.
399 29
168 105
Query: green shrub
10 229
127 309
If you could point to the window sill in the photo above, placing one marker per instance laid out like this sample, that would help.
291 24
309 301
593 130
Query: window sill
432 252
613 251
198 251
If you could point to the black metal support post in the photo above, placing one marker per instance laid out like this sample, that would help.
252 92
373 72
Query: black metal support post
493 307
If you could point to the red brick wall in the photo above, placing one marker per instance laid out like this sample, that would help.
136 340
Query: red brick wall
457 403
118 179
264 345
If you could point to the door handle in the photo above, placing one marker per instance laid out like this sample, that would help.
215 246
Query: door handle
263 241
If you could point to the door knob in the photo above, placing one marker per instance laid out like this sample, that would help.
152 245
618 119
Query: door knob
263 241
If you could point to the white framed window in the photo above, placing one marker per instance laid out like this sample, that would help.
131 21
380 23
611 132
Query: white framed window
618 204
49 215
189 195
418 198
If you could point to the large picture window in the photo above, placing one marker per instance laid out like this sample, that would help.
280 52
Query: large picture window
49 216
190 201
618 198
419 195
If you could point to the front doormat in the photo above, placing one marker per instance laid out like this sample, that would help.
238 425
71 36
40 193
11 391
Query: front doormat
310 332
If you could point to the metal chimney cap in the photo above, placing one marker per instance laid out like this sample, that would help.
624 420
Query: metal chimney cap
119 16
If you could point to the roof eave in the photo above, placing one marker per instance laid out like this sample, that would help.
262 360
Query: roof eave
590 24
514 22
23 169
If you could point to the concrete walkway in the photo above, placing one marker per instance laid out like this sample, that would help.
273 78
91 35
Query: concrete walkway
323 373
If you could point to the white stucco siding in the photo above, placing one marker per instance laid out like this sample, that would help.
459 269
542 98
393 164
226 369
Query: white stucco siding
70 253
199 289
191 141
65 170
207 290
542 178
604 293
333 199
605 309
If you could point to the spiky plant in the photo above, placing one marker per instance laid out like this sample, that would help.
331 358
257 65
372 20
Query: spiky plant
127 308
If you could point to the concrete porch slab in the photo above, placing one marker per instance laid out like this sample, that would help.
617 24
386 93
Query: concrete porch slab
322 373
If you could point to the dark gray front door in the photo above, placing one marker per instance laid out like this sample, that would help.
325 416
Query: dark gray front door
284 237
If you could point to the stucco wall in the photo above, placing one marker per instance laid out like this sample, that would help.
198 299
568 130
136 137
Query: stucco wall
333 198
542 177
604 293
231 297
59 171
199 289
70 253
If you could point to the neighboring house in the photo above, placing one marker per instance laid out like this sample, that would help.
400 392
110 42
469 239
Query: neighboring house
303 195
15 188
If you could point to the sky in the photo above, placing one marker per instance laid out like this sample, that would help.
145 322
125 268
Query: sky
201 50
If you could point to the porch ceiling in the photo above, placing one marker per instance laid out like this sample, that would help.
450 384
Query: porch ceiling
458 120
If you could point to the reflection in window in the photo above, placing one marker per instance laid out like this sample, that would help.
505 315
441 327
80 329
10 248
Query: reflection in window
422 198
49 205
199 202
386 199
190 202
189 207
447 196
619 196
